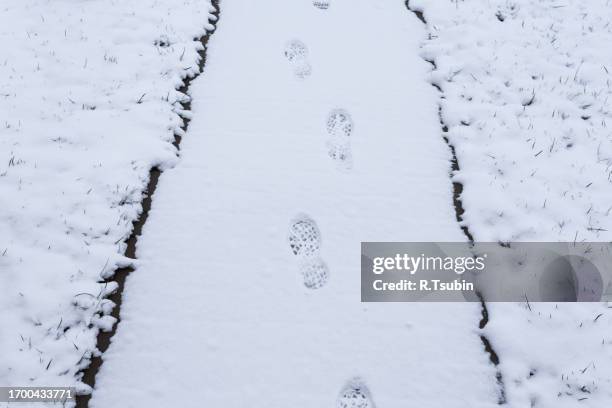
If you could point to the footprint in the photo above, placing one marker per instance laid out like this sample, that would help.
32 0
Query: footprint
296 50
355 394
305 242
304 236
323 5
315 273
296 53
339 128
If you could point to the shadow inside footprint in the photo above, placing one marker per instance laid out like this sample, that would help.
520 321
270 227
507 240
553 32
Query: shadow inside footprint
355 394
305 242
296 53
314 272
340 127
304 236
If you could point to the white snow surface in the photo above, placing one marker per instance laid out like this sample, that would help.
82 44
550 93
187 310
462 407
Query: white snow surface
87 95
217 313
526 97
553 355
527 103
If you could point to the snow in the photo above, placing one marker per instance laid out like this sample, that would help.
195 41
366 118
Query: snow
554 354
217 313
526 88
314 127
526 101
87 95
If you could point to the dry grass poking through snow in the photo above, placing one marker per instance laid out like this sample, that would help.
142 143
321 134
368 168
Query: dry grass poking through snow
87 92
527 89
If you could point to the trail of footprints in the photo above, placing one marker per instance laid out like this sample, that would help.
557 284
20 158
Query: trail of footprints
339 124
304 236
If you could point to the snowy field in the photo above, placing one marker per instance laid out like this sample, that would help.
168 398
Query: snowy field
87 95
314 126
526 98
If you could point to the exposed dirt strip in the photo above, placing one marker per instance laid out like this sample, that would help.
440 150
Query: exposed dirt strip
492 353
104 338
457 186
459 211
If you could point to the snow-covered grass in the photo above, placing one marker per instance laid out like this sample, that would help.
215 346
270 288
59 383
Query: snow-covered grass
526 89
553 355
88 102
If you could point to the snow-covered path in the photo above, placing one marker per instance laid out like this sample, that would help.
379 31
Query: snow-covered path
217 314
